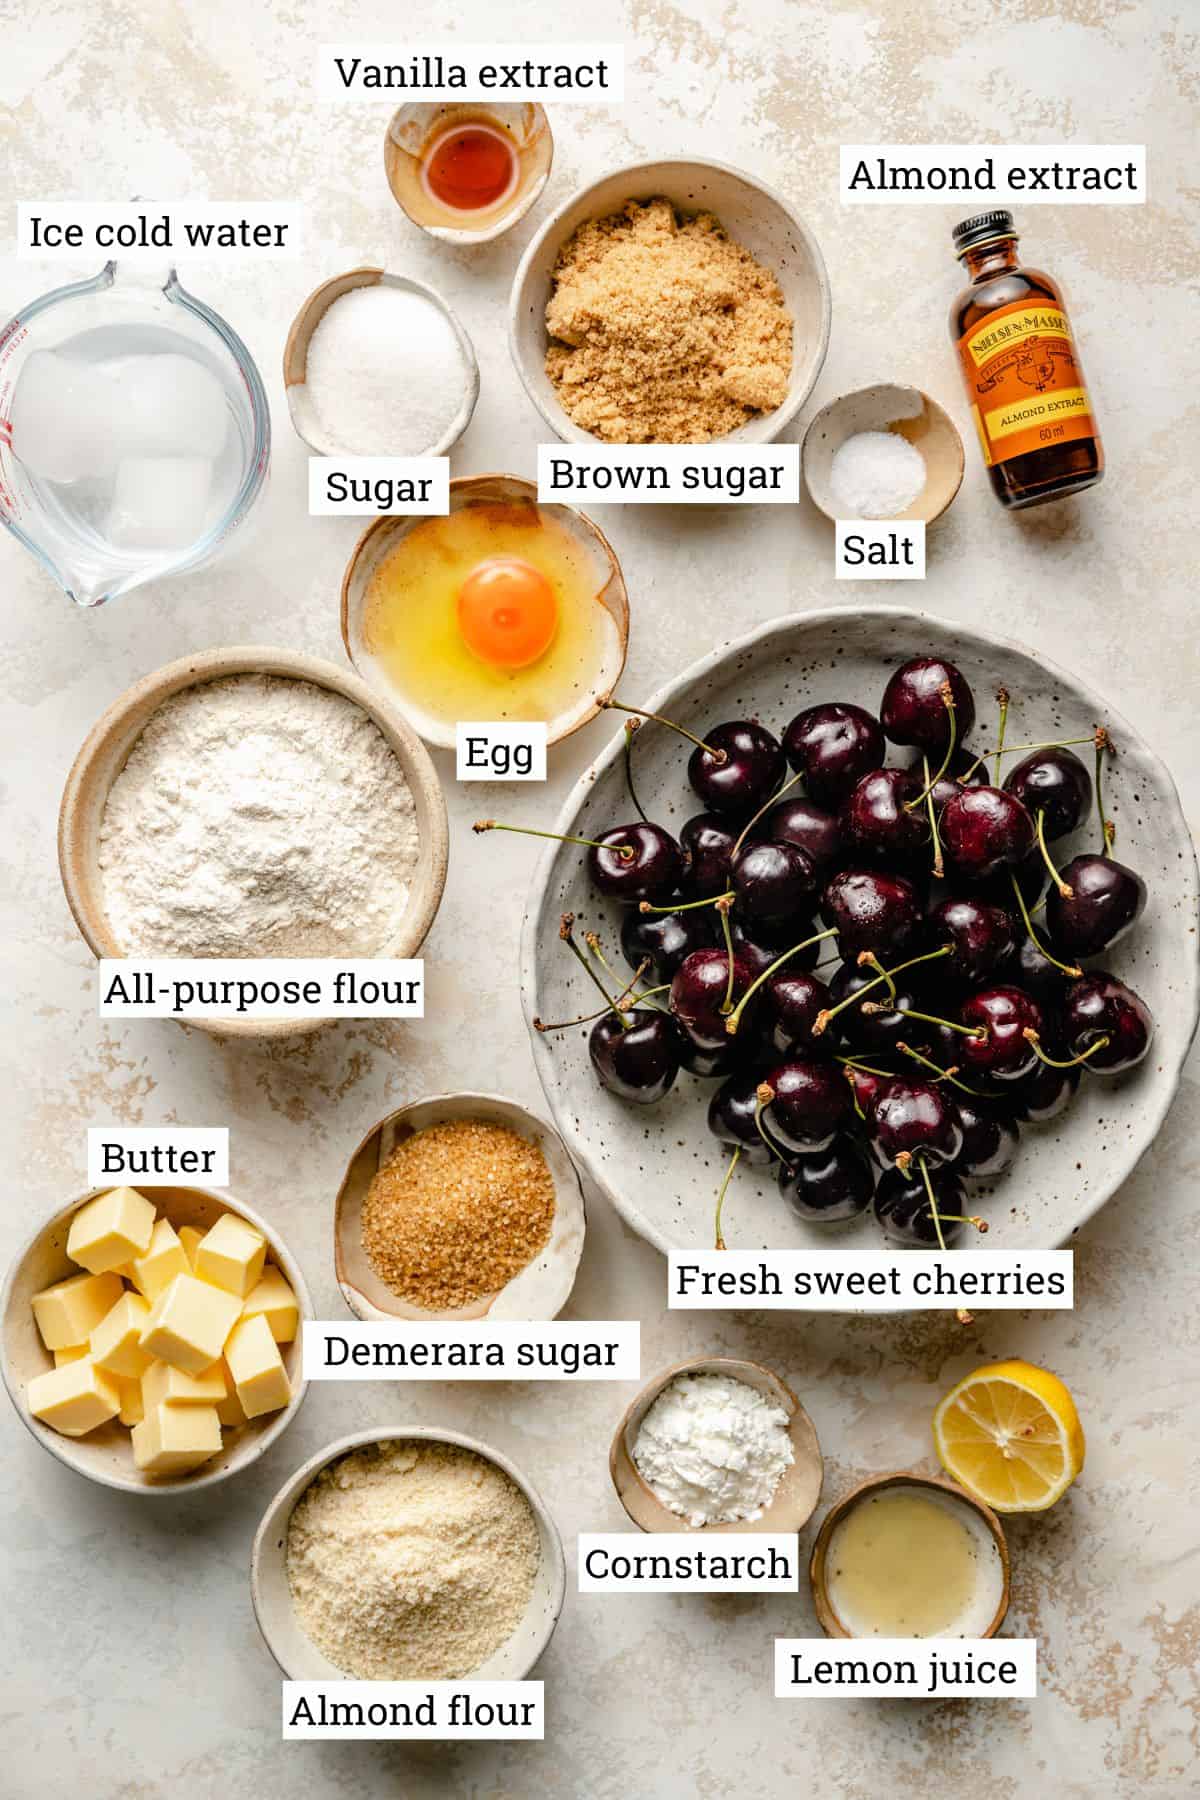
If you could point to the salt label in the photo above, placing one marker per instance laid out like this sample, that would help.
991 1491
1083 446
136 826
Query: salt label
925 1668
679 1562
879 550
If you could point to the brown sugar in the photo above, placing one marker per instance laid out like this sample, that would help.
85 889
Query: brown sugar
456 1211
665 330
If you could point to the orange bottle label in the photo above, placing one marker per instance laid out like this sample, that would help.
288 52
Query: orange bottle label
1024 383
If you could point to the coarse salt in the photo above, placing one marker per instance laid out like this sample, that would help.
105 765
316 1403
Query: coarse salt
386 373
875 475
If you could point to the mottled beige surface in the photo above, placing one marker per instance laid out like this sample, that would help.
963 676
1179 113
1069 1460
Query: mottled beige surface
133 1667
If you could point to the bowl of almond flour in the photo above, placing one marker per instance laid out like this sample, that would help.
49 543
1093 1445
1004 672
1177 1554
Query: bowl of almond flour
410 1555
253 802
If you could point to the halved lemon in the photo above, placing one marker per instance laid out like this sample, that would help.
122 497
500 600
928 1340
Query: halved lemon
1010 1433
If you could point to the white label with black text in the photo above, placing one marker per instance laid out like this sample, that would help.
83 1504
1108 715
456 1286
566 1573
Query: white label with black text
263 987
145 231
414 1709
1033 174
874 550
908 1668
590 74
362 485
473 1350
156 1155
500 750
873 1280
670 474
683 1562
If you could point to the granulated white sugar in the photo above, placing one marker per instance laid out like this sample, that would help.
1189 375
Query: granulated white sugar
386 372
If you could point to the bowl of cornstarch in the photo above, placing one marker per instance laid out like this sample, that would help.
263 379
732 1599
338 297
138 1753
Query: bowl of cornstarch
253 802
411 1554
717 1445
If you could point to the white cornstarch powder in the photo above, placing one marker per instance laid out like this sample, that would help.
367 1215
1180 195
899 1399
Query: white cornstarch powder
258 816
386 373
411 1561
713 1449
875 475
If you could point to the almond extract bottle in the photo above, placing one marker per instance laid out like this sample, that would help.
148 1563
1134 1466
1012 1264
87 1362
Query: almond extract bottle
1026 388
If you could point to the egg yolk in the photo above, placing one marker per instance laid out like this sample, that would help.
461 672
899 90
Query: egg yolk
507 612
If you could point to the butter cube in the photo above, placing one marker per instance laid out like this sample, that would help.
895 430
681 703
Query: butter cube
230 1410
71 1354
165 1258
115 1342
189 1237
133 1409
74 1399
69 1312
231 1255
274 1299
110 1230
189 1323
257 1367
163 1385
173 1439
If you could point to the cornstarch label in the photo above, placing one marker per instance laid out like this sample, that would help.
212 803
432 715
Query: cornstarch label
1024 380
679 1562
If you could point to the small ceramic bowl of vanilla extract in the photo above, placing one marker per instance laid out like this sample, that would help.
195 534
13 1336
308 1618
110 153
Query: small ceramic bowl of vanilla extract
467 174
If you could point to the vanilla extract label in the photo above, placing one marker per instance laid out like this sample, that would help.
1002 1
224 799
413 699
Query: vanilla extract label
473 1350
1058 174
586 73
914 1668
735 1562
263 987
871 1280
670 474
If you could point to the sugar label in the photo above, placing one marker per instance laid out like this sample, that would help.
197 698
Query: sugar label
370 486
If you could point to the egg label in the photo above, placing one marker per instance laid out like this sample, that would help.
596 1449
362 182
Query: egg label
500 750
880 550
670 474
945 1668
376 485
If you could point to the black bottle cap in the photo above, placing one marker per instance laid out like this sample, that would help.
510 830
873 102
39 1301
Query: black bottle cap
981 227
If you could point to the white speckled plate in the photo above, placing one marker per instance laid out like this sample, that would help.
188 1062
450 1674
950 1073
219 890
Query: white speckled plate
658 1165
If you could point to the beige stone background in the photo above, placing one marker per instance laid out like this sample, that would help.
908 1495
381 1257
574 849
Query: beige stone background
132 1664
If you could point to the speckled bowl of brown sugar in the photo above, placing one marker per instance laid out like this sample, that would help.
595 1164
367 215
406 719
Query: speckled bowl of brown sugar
460 1206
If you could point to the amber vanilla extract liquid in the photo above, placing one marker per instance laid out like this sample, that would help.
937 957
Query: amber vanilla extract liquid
1029 401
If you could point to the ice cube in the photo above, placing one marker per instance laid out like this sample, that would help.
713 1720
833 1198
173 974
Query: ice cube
159 502
168 405
62 419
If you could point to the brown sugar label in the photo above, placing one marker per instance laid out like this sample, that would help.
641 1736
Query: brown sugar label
1025 383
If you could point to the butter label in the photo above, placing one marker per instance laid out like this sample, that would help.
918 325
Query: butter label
143 1156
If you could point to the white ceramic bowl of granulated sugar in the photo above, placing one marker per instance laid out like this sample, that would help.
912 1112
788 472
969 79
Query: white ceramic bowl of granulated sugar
294 1651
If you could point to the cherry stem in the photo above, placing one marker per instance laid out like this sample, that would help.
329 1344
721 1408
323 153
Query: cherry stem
720 757
1108 830
564 932
822 1019
933 1206
950 1074
965 1219
1055 1062
625 851
723 912
765 807
867 959
593 944
631 726
686 905
733 1163
1067 968
1064 887
735 1017
586 1018
1002 696
939 866
1016 749
764 1093
855 1062
948 703
971 1031
566 1024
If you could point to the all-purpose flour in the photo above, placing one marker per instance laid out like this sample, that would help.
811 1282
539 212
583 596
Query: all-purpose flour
258 816
713 1449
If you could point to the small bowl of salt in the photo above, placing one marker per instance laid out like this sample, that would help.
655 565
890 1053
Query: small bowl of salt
883 452
378 364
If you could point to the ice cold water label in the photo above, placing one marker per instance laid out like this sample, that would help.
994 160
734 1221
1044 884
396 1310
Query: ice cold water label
871 1280
156 1155
680 1562
502 750
879 550
372 486
669 474
413 1709
141 231
912 1668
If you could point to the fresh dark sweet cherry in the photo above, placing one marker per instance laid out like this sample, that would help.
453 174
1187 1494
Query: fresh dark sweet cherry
1030 875
734 1116
1106 900
1046 1091
982 934
803 823
913 1118
707 844
759 956
700 994
882 819
732 1057
869 1031
745 772
830 1187
1055 783
811 1101
983 829
664 939
652 872
833 746
1002 1051
1098 1006
789 1004
774 883
1027 967
864 1085
902 1209
915 712
962 763
990 1137
873 910
638 1061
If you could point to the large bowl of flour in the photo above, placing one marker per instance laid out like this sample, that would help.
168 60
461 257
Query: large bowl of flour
253 802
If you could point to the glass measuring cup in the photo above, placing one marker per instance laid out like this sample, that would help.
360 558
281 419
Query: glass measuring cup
65 526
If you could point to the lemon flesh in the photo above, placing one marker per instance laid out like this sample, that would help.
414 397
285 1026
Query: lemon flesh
1010 1433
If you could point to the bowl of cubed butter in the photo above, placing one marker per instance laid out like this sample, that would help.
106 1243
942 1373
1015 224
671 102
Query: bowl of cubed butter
151 1338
